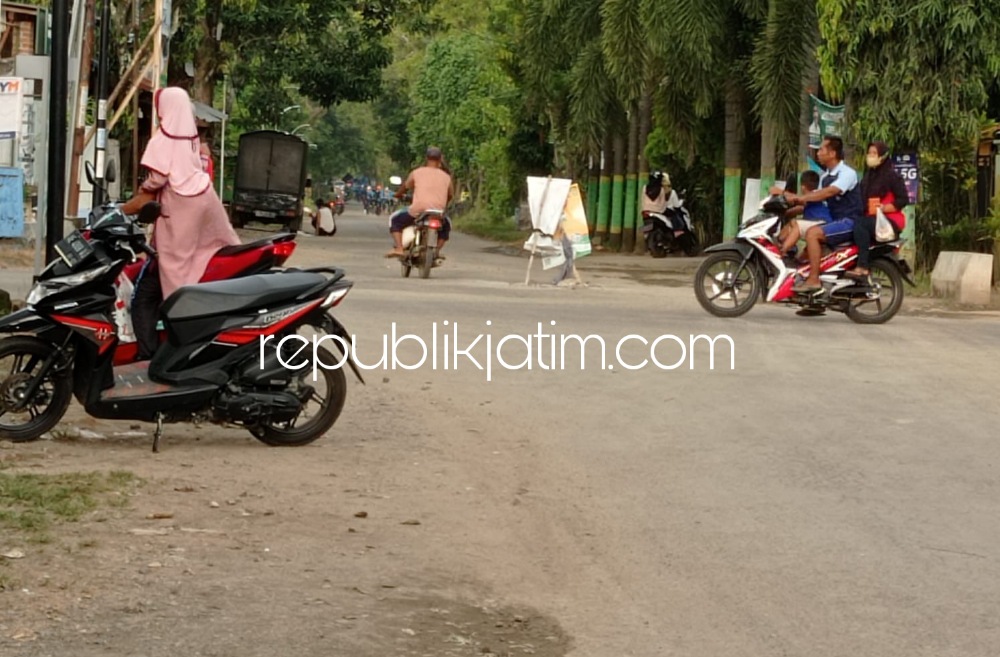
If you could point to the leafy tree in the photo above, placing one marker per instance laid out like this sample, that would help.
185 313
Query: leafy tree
918 78
462 103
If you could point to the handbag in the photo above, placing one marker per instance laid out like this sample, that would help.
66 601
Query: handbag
884 230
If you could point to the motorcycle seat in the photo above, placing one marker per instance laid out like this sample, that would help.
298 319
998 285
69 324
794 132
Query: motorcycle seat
238 294
237 249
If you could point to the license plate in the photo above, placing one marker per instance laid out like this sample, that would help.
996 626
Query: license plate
265 213
73 249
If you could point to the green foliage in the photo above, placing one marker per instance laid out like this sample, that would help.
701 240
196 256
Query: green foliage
780 57
462 103
918 78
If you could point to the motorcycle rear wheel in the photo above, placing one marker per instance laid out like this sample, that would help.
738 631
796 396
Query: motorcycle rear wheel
738 294
886 275
654 246
50 400
287 434
430 253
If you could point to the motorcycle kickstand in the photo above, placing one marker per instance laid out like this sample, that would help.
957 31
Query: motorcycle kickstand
158 433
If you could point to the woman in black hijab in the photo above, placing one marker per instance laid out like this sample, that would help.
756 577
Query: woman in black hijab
881 188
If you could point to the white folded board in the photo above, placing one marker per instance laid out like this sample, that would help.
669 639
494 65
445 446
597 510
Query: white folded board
751 198
546 201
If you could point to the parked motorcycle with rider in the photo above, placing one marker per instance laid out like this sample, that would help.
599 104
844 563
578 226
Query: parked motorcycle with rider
226 360
666 223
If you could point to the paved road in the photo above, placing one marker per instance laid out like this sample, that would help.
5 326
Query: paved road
835 494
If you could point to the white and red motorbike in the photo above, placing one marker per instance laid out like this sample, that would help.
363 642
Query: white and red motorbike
736 274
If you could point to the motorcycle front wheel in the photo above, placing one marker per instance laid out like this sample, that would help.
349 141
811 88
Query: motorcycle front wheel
22 421
310 424
723 289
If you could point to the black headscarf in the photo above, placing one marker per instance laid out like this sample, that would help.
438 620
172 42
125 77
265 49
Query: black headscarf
654 186
879 181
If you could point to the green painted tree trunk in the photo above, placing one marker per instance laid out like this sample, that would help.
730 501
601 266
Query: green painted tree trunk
618 193
593 187
645 125
733 159
631 178
768 153
604 195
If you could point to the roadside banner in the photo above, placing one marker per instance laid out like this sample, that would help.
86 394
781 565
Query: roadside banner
575 223
825 119
908 169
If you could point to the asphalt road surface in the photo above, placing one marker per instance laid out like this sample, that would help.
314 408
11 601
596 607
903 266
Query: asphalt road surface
834 493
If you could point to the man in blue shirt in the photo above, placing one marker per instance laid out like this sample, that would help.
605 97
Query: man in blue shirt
842 193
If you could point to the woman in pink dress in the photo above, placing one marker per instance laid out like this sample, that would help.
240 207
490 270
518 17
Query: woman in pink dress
193 224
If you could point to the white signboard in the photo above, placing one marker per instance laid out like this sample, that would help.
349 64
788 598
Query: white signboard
546 200
11 102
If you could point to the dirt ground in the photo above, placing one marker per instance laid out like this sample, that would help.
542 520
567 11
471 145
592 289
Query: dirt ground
343 552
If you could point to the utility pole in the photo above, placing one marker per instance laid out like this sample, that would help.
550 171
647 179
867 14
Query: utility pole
102 104
59 59
79 123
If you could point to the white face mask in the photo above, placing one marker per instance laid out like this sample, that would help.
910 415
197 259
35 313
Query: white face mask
874 161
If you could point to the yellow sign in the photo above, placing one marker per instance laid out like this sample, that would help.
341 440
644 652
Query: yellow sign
575 222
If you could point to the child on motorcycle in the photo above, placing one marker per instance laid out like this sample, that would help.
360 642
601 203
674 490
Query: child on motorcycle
813 213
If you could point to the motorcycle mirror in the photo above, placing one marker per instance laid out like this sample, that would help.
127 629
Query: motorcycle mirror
148 213
91 175
111 172
396 180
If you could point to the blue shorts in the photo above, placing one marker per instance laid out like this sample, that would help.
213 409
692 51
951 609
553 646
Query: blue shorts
838 232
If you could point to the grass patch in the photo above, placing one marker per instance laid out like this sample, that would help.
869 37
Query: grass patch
923 288
33 503
504 231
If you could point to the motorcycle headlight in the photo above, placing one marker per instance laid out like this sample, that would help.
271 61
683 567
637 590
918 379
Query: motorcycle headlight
54 285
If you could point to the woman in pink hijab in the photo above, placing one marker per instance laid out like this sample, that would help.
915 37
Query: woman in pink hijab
193 224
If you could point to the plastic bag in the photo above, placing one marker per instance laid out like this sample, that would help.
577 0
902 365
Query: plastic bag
123 314
884 231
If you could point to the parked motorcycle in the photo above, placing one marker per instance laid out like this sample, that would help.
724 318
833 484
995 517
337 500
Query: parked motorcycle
736 274
669 232
420 243
223 363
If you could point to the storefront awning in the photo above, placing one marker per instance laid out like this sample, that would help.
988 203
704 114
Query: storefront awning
207 113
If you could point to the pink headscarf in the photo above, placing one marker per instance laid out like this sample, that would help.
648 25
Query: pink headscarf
174 150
